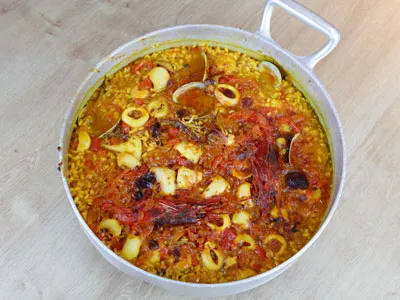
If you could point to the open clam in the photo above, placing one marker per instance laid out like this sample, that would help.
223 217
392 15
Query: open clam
204 56
165 64
291 146
184 88
109 131
264 66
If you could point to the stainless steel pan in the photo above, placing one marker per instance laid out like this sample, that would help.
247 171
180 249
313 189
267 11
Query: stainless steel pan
301 71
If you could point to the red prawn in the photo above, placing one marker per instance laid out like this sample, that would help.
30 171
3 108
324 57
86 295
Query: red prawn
163 211
265 176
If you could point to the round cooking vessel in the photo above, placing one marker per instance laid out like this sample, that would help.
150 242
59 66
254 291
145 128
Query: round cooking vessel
300 70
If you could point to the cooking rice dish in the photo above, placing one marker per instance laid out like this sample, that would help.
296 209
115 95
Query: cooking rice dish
200 164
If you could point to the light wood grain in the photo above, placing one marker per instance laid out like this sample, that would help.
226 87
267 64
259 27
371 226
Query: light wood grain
48 47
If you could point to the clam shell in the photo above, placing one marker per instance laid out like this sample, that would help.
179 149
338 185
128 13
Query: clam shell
110 130
185 88
290 146
165 64
204 55
273 70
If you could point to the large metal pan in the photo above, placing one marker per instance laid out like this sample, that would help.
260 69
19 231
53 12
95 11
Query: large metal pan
301 72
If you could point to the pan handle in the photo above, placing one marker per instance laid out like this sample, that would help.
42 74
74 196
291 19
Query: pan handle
308 17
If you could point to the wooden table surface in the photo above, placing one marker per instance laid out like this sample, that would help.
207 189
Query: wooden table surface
49 46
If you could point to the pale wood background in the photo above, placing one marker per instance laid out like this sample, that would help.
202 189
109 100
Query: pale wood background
47 48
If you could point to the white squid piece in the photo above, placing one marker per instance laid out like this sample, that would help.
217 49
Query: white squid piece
217 186
191 151
186 177
166 178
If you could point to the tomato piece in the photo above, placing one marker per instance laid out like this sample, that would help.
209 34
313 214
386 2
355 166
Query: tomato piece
260 252
173 132
150 122
125 127
115 140
228 234
118 108
266 110
213 70
89 164
256 131
117 244
283 96
227 79
256 266
122 214
163 253
217 160
139 101
144 64
146 84
173 142
110 117
95 144
227 238
247 84
250 116
242 139
195 261
182 161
